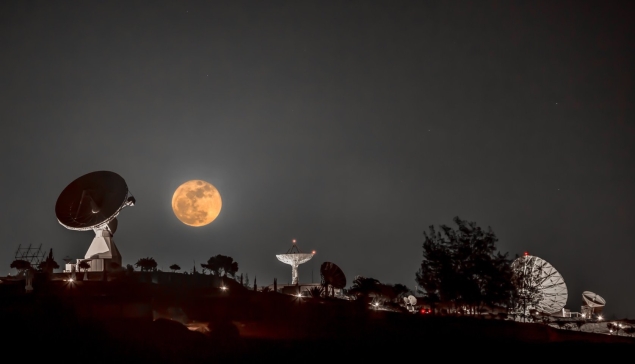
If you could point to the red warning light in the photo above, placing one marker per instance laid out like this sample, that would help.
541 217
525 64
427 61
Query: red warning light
526 253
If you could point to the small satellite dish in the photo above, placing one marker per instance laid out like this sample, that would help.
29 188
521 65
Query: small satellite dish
333 275
412 300
92 200
593 299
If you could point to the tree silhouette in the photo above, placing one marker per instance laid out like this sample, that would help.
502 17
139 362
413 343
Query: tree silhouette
527 294
85 266
629 330
461 267
315 292
394 292
21 265
146 264
48 264
363 287
221 265
175 267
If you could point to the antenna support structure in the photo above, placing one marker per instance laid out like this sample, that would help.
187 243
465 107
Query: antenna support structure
294 257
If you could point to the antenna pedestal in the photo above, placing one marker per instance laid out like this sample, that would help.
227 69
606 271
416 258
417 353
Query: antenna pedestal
294 273
102 251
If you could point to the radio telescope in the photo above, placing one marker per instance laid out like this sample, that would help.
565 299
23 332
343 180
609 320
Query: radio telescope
332 276
294 258
92 202
540 285
594 303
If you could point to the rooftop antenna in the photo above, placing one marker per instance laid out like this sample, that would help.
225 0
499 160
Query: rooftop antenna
93 202
294 257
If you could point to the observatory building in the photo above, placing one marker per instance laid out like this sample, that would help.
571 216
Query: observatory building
294 257
93 202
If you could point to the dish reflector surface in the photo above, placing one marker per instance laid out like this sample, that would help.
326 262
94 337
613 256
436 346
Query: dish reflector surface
593 299
333 275
546 279
91 200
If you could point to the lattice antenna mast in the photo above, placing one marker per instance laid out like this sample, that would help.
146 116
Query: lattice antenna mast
31 254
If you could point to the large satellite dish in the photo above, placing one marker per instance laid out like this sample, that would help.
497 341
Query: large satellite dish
294 257
92 202
536 275
333 275
593 299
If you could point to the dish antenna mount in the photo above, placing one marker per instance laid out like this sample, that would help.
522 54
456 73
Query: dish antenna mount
294 257
332 276
594 303
92 202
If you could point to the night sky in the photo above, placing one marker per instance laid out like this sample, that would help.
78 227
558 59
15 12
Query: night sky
350 126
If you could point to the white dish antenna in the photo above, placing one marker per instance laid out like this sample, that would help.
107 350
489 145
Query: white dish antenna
294 257
412 300
593 299
545 280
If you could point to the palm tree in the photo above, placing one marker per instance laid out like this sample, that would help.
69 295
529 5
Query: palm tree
315 292
175 267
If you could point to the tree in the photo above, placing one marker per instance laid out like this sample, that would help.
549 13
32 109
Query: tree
221 265
362 287
84 265
315 292
394 292
175 267
526 295
48 264
462 267
21 265
146 264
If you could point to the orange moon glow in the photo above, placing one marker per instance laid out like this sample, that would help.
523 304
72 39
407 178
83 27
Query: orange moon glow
196 203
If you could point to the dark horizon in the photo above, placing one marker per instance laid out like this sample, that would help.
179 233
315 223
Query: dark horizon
349 126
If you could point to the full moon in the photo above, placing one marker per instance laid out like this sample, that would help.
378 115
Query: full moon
196 203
